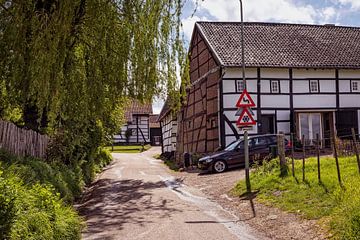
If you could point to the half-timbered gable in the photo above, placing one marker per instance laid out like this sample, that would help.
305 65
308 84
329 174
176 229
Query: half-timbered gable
136 128
168 125
304 79
198 119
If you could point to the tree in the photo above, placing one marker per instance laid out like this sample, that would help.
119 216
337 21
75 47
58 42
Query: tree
68 65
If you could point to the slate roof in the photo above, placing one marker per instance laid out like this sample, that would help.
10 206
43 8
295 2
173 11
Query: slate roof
137 108
284 45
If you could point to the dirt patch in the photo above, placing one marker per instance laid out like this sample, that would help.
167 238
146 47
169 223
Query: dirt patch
272 222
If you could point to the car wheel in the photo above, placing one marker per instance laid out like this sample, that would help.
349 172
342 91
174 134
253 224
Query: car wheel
219 166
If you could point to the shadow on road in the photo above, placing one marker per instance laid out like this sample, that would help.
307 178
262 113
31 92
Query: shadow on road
110 204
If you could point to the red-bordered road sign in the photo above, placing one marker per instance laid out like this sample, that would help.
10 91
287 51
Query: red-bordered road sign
245 119
245 100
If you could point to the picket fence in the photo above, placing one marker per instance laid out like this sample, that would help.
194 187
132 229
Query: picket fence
22 142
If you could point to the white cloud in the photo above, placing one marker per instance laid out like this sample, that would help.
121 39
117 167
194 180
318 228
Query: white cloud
188 25
260 10
355 4
328 14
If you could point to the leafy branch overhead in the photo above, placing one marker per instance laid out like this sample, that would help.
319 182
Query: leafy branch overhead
76 60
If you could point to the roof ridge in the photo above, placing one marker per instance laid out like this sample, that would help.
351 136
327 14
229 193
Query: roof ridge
329 25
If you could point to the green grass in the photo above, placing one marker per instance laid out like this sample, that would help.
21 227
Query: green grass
128 148
338 208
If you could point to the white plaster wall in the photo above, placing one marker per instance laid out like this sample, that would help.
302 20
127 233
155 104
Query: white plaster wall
283 115
350 100
265 86
300 86
349 74
327 86
231 100
275 101
314 101
344 85
285 86
313 73
228 86
237 73
274 73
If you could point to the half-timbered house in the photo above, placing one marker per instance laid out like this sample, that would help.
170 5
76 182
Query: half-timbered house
136 130
168 124
304 79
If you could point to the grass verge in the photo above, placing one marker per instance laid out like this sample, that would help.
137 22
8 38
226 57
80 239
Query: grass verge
337 208
128 148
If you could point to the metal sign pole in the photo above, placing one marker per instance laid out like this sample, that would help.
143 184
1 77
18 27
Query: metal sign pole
246 152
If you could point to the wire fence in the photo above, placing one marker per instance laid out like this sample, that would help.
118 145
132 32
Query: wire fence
344 143
22 142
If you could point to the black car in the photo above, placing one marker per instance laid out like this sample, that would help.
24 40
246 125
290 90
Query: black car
233 155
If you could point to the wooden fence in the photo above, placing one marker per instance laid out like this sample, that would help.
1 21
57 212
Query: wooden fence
22 142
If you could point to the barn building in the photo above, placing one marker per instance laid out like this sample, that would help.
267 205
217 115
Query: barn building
304 79
136 130
168 124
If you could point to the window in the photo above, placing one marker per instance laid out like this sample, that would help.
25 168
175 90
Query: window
275 87
240 86
355 86
314 86
310 125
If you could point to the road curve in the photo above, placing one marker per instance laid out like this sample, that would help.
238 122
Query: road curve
136 197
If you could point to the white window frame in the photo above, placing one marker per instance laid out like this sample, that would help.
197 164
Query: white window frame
274 86
240 86
353 84
317 86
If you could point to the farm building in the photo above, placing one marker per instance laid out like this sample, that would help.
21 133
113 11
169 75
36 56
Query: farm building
136 130
155 130
304 79
168 124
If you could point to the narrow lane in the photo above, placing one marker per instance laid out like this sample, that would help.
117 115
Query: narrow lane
136 197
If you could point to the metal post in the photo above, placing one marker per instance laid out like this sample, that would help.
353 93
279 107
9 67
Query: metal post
246 152
242 44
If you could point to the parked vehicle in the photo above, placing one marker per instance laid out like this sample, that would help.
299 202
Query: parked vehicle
233 155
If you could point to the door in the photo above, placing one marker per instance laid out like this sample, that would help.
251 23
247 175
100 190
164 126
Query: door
345 120
268 124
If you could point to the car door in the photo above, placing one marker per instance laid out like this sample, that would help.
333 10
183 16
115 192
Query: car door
258 148
236 157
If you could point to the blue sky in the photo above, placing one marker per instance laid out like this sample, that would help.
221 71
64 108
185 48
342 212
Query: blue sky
339 12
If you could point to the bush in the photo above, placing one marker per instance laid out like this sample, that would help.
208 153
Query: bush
34 212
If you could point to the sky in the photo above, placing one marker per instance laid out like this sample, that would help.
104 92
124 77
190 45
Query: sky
338 12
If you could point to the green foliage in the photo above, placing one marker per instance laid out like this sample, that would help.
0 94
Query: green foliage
310 199
128 148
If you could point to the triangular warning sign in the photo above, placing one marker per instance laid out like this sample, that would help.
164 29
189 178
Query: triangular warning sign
245 100
245 119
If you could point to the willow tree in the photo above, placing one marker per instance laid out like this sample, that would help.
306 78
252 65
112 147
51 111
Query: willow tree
68 65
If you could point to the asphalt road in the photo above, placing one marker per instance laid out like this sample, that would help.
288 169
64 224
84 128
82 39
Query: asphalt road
137 197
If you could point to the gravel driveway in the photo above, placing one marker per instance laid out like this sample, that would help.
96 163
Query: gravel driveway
272 222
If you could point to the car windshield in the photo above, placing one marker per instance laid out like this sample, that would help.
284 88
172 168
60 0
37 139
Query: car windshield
232 145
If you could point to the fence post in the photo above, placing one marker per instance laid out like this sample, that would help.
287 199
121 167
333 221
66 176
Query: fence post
281 152
304 156
355 147
292 155
318 156
336 158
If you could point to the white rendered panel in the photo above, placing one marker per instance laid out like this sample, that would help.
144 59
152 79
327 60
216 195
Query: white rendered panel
327 86
229 139
267 112
265 86
283 115
314 101
231 100
274 73
349 74
285 86
275 101
350 100
228 86
313 73
237 73
300 86
344 86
